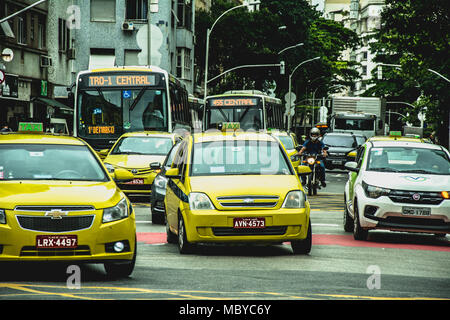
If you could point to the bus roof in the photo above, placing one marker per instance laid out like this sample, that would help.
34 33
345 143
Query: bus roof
246 93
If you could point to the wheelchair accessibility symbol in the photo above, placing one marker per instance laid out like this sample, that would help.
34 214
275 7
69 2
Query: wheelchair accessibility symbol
126 94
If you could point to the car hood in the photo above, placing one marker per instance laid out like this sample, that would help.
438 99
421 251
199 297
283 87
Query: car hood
34 193
407 181
245 185
133 161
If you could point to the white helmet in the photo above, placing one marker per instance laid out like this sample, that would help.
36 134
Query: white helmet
314 133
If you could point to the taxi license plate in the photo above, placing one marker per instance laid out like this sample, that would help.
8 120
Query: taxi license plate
136 181
240 223
56 241
414 211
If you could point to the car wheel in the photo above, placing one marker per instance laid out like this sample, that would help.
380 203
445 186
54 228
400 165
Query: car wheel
358 232
121 269
171 238
303 246
183 244
348 221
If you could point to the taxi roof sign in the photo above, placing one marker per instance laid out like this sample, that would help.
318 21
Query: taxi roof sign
395 133
30 127
229 126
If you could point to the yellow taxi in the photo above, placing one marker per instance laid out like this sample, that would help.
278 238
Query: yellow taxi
135 152
290 143
235 187
397 136
58 203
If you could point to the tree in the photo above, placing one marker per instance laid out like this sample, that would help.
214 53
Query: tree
415 34
243 37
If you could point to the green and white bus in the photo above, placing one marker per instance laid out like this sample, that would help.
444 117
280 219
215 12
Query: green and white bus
252 109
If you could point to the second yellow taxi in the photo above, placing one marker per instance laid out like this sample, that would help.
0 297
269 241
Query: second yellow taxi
235 187
135 152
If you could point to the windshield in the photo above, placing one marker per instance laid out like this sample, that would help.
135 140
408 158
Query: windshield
143 145
339 141
108 113
354 124
287 142
239 158
49 162
409 160
360 140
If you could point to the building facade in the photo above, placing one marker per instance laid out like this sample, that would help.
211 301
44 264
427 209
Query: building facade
52 42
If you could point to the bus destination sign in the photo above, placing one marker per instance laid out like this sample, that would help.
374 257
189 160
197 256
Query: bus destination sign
233 102
121 80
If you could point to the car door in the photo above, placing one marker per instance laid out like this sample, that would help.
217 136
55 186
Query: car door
352 178
174 190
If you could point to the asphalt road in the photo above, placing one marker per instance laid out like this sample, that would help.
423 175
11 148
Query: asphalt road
388 266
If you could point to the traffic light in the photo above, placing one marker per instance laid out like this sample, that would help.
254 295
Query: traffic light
282 70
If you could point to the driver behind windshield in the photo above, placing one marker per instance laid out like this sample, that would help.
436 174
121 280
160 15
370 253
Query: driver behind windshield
314 146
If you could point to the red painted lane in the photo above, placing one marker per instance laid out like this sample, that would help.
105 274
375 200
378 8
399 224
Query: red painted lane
324 240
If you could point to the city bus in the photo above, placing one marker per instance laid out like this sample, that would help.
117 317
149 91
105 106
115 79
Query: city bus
112 101
252 109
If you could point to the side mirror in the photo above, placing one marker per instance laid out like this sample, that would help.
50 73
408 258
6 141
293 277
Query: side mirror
103 152
326 148
155 165
298 148
351 166
173 173
352 154
123 175
303 170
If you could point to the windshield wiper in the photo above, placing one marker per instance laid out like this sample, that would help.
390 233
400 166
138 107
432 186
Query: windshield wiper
129 152
139 96
385 169
418 171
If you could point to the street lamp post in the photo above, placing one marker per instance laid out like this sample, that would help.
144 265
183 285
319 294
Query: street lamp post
290 87
208 33
399 66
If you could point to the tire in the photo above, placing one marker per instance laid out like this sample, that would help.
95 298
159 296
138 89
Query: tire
358 232
348 221
118 270
170 237
303 246
183 244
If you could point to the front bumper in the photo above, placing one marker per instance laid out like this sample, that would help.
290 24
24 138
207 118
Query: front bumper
384 213
94 244
217 226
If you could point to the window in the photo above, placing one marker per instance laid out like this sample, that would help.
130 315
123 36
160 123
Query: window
63 35
41 32
103 10
22 30
136 10
184 14
184 63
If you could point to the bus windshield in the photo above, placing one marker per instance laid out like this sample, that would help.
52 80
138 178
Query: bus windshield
248 111
108 113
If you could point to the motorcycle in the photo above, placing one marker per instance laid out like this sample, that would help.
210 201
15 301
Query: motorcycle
312 181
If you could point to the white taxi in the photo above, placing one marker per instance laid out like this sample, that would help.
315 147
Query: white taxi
398 186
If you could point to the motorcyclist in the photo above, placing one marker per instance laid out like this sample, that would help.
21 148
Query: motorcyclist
314 146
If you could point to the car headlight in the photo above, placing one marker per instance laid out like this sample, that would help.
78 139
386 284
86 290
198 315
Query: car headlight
295 158
295 199
374 192
200 201
109 167
160 183
2 216
119 211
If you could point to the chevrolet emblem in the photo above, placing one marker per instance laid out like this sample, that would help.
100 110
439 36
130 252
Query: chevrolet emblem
56 214
249 200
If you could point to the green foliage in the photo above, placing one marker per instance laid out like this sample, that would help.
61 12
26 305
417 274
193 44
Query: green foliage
241 37
415 34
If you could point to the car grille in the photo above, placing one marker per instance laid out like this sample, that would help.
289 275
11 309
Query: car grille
267 231
144 187
29 251
400 196
47 224
248 201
